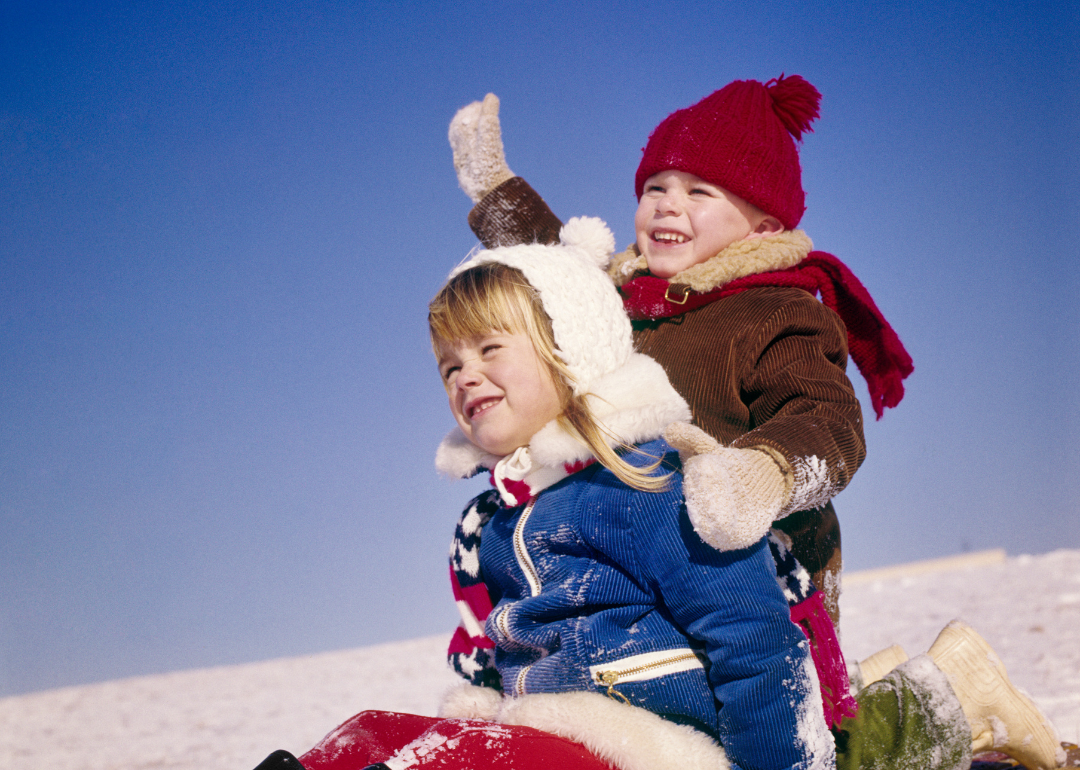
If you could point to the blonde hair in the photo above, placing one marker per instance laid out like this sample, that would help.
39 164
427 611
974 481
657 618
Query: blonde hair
495 297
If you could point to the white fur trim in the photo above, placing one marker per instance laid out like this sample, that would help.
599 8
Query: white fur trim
630 738
458 458
466 701
638 401
634 403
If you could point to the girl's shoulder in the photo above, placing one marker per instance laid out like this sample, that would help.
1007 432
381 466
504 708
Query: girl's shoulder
657 452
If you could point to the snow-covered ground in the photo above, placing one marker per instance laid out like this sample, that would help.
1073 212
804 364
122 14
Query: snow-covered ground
230 718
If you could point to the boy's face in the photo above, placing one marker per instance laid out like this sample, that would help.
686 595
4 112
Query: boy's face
501 393
682 220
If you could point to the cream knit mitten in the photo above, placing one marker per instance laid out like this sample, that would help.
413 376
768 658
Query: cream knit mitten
1001 717
476 139
732 495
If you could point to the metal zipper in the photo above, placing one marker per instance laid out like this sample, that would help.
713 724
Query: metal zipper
519 684
645 666
502 621
522 554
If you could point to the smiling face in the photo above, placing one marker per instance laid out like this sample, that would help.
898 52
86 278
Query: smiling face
682 221
501 392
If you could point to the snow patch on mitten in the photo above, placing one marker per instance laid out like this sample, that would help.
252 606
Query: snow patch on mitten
813 484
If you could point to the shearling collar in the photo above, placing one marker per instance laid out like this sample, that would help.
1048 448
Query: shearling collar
634 403
740 259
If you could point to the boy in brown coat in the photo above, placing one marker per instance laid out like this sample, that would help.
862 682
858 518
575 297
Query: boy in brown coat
721 287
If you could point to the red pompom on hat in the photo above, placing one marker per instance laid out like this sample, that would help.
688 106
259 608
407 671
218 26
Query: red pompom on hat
741 138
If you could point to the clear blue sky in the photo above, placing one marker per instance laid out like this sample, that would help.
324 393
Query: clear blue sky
220 225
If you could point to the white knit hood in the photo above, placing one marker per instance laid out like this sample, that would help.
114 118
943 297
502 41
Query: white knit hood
628 392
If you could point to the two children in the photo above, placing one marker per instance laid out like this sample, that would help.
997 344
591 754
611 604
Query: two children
721 289
620 638
622 606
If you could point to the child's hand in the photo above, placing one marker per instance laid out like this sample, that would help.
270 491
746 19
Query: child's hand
476 139
732 495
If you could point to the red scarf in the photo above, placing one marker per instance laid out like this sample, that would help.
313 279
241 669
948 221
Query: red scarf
873 344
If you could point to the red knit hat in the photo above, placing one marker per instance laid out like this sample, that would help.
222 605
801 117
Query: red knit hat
741 138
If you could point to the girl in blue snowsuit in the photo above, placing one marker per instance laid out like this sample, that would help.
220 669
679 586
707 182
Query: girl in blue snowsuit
601 590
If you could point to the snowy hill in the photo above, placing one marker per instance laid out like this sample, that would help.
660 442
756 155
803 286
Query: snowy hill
230 718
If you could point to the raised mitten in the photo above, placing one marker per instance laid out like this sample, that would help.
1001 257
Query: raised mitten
476 139
732 495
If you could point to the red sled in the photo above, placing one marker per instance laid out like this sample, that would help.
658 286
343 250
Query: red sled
414 742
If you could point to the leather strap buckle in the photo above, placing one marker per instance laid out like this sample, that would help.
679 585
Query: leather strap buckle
681 287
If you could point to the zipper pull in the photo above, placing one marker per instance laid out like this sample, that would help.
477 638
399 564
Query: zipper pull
611 678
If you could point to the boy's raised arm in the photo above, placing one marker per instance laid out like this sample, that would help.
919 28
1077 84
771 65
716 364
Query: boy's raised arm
508 211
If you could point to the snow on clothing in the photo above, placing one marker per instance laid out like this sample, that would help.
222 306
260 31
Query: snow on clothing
761 368
607 590
471 650
911 719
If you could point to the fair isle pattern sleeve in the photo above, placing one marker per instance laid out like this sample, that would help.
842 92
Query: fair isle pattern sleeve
791 576
471 653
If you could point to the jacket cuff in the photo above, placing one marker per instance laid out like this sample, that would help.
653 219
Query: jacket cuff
785 470
514 213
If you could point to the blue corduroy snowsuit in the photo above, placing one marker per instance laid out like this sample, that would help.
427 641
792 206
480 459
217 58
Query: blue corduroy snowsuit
601 587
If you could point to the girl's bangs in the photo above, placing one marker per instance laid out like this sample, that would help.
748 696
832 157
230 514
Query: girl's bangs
481 300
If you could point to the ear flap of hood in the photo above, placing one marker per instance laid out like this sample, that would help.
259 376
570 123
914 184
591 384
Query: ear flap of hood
634 404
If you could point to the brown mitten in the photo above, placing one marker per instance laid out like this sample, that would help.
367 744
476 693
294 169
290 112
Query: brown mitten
476 139
732 495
